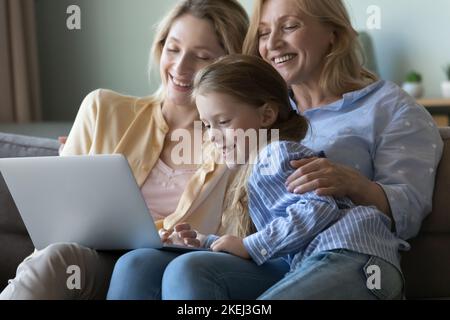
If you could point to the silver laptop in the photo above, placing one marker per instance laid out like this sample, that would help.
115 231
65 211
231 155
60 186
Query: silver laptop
90 200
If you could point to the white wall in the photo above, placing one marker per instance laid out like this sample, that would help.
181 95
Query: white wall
111 50
414 34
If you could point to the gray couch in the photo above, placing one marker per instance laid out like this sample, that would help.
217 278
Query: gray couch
426 266
15 244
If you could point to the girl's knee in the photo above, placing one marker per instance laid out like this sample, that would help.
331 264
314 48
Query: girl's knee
188 265
187 271
134 260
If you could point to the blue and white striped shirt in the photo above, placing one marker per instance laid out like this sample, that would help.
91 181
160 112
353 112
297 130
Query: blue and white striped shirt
297 226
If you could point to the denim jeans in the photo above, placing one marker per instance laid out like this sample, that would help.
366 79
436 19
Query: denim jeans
219 276
337 274
138 275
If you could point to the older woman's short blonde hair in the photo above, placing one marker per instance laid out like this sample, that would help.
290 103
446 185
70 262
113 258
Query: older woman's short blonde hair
343 69
228 17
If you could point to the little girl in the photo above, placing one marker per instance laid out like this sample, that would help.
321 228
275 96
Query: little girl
334 249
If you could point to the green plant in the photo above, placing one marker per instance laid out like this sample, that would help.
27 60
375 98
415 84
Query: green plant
447 71
414 77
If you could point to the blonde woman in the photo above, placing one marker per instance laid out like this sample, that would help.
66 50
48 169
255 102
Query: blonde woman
382 148
194 34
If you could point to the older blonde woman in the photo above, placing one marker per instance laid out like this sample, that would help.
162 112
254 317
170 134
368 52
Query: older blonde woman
193 35
382 151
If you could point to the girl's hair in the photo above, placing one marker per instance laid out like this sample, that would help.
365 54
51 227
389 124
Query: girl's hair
343 69
253 81
228 17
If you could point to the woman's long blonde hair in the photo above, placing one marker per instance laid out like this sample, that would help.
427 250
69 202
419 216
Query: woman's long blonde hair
343 69
253 81
228 17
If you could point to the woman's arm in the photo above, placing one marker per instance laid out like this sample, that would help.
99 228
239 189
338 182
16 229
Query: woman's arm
407 153
81 136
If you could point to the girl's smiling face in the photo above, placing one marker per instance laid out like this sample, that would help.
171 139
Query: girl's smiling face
233 125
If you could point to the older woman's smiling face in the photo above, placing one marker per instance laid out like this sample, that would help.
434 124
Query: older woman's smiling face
294 43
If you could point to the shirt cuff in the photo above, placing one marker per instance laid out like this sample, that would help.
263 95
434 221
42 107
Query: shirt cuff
257 248
397 199
210 240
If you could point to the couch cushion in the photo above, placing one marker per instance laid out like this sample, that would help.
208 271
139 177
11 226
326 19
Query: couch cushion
12 146
439 220
15 243
426 267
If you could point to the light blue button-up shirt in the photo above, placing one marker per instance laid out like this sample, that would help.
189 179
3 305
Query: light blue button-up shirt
382 132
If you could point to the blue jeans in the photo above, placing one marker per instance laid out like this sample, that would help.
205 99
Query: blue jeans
138 275
219 276
337 274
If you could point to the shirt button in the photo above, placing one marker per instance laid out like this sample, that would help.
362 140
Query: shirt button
264 252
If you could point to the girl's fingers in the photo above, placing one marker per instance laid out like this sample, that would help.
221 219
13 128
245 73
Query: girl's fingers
192 242
182 227
165 234
187 234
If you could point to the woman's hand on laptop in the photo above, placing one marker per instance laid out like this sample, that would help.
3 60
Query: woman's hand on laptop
182 235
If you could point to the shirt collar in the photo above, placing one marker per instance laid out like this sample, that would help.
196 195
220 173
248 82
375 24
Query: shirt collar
348 98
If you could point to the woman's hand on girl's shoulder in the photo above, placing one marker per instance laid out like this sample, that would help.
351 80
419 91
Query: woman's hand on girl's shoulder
325 178
329 179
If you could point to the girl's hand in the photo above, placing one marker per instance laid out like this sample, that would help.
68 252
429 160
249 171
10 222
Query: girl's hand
326 179
182 235
231 244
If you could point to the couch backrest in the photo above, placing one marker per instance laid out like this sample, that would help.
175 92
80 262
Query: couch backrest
427 265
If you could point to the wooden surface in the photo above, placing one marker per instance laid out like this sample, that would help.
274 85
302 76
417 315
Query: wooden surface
439 109
441 120
435 102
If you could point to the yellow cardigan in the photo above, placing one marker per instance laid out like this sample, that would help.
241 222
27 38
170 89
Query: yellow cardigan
110 123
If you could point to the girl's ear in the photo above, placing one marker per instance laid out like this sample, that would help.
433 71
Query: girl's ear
269 115
333 37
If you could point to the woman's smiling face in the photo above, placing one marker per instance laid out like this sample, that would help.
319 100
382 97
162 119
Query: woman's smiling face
190 45
292 42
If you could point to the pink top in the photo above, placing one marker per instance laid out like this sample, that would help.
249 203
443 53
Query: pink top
163 189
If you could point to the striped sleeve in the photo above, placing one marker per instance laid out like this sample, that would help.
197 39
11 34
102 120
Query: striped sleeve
286 222
292 232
